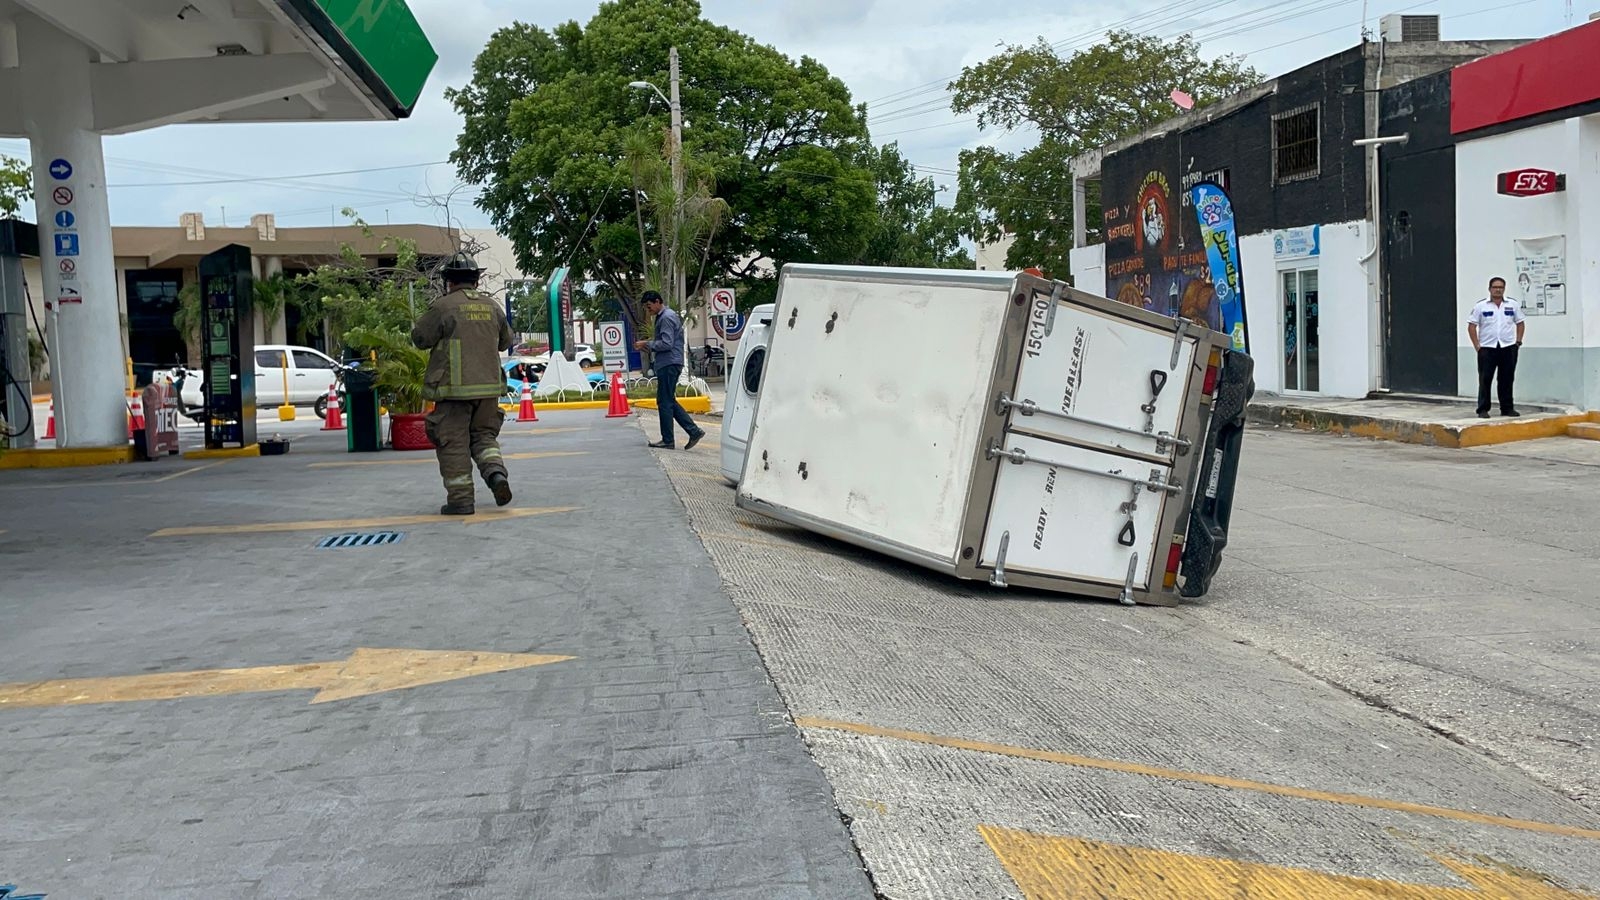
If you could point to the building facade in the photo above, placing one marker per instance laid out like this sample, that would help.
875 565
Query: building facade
1305 195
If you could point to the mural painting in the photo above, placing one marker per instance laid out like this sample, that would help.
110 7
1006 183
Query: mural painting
1155 258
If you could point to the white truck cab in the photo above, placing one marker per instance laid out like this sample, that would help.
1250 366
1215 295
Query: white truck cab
744 385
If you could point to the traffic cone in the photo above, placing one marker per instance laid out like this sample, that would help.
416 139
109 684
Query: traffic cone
135 415
50 424
334 421
527 413
619 398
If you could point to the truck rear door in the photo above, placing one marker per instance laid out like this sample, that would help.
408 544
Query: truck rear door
1092 441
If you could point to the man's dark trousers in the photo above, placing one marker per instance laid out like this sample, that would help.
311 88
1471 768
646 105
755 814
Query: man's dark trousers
669 408
1504 361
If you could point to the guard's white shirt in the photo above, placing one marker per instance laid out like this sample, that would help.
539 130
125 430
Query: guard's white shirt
1497 323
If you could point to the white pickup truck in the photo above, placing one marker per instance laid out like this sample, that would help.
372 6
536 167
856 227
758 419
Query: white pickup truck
993 426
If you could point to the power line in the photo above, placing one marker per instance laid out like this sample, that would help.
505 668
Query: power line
271 178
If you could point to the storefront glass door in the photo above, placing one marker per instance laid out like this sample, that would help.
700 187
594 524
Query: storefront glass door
1300 331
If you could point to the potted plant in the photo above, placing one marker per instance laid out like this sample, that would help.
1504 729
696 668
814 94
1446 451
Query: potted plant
398 381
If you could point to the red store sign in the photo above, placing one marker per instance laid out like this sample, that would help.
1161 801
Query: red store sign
1530 182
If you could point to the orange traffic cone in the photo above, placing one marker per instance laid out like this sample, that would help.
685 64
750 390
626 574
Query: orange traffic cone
135 415
619 398
335 419
527 413
50 424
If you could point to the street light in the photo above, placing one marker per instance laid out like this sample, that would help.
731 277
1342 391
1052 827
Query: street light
675 263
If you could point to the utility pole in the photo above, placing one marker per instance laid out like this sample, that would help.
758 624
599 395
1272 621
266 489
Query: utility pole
676 254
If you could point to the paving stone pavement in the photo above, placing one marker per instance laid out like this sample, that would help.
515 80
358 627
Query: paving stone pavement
658 762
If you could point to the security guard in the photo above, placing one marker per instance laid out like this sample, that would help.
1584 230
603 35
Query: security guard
1495 326
465 332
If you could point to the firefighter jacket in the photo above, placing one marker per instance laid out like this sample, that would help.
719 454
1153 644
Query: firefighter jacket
464 332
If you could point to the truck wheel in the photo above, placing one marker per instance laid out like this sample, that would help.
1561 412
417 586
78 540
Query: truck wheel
322 407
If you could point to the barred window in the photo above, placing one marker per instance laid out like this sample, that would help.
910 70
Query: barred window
1296 145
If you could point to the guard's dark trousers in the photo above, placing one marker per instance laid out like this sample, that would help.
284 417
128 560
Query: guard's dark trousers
1490 361
466 431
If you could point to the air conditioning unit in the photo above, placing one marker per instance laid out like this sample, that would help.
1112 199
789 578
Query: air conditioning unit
1396 28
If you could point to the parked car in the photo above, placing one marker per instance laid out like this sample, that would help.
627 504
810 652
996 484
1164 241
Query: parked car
582 354
308 373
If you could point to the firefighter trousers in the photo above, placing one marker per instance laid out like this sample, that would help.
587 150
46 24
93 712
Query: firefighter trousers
466 431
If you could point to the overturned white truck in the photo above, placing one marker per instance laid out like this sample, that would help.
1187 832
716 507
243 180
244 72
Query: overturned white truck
991 425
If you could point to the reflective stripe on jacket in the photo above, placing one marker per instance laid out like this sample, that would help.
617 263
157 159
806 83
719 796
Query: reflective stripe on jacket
464 332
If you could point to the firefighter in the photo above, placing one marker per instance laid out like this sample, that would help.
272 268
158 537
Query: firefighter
464 332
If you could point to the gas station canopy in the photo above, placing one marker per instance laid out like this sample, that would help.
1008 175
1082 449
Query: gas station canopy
167 61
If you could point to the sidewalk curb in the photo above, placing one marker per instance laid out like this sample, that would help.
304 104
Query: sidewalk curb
1432 434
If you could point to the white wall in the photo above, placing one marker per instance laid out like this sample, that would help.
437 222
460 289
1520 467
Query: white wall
1344 307
1089 269
1559 355
992 257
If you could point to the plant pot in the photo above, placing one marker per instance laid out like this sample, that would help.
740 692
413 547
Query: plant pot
409 431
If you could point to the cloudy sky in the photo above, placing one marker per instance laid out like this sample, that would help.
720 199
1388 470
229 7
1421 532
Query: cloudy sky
896 55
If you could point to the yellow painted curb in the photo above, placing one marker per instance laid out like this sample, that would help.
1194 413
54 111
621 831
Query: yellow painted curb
689 404
1521 430
1426 433
1589 431
541 407
224 452
68 457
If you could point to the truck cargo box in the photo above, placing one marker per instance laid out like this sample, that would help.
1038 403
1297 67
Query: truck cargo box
998 426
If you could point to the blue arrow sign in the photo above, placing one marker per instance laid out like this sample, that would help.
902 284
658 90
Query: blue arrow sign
65 219
60 169
66 245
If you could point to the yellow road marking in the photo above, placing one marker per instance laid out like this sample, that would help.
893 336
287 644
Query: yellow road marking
1222 781
327 524
1064 868
367 671
547 454
543 430
117 482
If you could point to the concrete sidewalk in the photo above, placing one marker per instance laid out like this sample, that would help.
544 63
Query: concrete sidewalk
1417 419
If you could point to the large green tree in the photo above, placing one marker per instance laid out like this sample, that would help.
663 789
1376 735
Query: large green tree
911 229
16 186
549 116
1076 102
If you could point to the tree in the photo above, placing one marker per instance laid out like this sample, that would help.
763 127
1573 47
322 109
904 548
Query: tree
548 120
1077 103
16 186
911 228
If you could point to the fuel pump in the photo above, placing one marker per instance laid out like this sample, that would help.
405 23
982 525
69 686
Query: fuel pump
17 428
228 341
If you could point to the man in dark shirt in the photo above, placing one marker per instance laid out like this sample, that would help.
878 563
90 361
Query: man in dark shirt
667 345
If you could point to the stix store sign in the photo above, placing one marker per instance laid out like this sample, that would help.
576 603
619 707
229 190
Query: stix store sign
1530 182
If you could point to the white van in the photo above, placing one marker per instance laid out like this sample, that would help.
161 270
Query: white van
307 372
744 383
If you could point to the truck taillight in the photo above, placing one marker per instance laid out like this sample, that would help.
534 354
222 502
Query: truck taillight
1213 369
1174 559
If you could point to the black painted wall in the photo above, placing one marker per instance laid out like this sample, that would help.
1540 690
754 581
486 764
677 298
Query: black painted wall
1172 277
1418 208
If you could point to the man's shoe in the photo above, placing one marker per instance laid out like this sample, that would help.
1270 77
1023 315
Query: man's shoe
1483 414
500 486
456 509
694 439
1510 413
660 445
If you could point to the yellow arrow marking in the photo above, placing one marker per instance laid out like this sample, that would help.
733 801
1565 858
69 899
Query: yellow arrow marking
1064 868
367 671
430 460
500 515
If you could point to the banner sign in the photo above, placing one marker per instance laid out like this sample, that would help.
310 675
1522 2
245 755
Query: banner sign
1221 240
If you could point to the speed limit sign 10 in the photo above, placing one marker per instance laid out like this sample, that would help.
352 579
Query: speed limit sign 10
721 301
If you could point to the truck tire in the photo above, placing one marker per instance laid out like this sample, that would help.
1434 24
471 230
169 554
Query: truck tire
1208 518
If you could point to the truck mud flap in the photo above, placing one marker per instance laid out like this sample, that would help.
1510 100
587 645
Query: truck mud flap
1213 506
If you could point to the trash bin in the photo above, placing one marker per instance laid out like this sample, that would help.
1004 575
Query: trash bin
363 426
